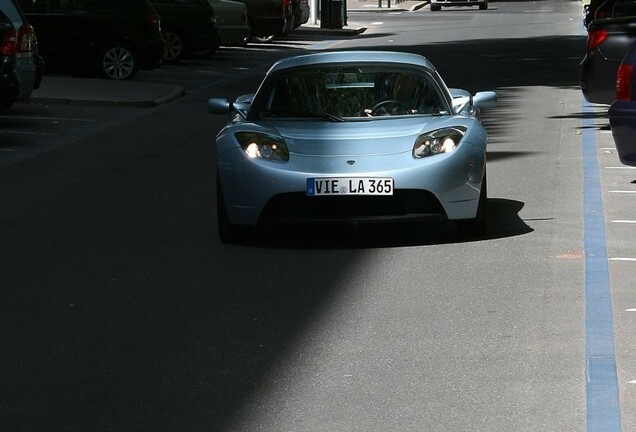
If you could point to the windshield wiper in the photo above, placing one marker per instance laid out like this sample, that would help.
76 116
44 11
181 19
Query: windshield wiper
282 112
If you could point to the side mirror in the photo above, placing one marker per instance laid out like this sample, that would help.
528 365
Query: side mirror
219 106
485 99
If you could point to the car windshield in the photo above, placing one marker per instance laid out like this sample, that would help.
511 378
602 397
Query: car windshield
339 93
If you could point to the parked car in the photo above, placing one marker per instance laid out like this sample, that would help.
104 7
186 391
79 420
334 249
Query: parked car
436 5
231 18
622 112
351 136
608 40
301 11
9 83
29 64
188 27
269 18
602 9
109 38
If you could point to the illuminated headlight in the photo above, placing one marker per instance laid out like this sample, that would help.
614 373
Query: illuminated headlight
262 146
438 141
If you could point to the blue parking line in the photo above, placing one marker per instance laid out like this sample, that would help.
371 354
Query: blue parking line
603 408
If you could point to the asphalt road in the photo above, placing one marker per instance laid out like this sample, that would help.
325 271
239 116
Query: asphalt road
121 310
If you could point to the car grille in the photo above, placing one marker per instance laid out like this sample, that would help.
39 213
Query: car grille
404 204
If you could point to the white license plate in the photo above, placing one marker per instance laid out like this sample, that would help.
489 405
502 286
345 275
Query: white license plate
349 186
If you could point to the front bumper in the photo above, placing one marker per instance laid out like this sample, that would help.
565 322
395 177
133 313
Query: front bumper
444 186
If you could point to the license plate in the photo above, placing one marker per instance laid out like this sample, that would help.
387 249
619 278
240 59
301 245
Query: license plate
349 186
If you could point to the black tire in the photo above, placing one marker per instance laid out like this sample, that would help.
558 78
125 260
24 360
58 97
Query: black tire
478 226
117 61
228 232
483 6
175 46
435 7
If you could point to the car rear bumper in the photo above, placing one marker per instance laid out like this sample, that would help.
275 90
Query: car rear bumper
598 78
622 116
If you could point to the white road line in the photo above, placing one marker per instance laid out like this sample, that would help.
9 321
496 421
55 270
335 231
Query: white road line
622 259
621 167
622 192
630 310
624 221
377 23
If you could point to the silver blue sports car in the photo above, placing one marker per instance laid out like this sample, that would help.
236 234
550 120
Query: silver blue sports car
351 136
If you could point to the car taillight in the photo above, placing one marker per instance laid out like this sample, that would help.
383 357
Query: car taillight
9 43
624 82
595 38
26 41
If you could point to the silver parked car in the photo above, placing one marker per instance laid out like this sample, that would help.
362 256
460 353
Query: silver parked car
351 136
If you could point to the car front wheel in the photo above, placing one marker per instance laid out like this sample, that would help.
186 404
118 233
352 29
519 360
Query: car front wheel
117 61
478 226
228 232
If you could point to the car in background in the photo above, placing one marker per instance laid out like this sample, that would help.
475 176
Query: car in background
608 40
602 9
351 137
622 112
188 26
108 38
301 11
269 18
29 65
9 83
436 5
231 18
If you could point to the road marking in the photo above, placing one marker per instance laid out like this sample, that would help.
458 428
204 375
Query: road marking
621 167
623 191
624 221
603 408
630 310
377 23
48 118
622 259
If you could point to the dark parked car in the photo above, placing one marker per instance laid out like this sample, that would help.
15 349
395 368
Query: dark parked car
622 112
9 83
110 38
607 43
601 9
269 18
188 27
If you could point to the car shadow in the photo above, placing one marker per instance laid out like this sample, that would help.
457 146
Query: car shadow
504 221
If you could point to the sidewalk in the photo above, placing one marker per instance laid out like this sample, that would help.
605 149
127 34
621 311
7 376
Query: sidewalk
60 89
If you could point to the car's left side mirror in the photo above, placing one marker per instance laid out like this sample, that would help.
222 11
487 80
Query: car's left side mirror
223 106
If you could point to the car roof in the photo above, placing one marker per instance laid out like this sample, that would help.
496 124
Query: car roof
355 57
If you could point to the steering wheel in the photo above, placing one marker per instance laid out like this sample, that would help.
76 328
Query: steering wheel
389 107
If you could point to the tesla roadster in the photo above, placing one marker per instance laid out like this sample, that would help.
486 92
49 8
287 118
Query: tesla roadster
351 136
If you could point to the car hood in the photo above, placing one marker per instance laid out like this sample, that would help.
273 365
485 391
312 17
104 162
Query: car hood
386 136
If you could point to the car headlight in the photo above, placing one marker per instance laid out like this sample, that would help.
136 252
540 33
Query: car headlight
263 146
438 141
